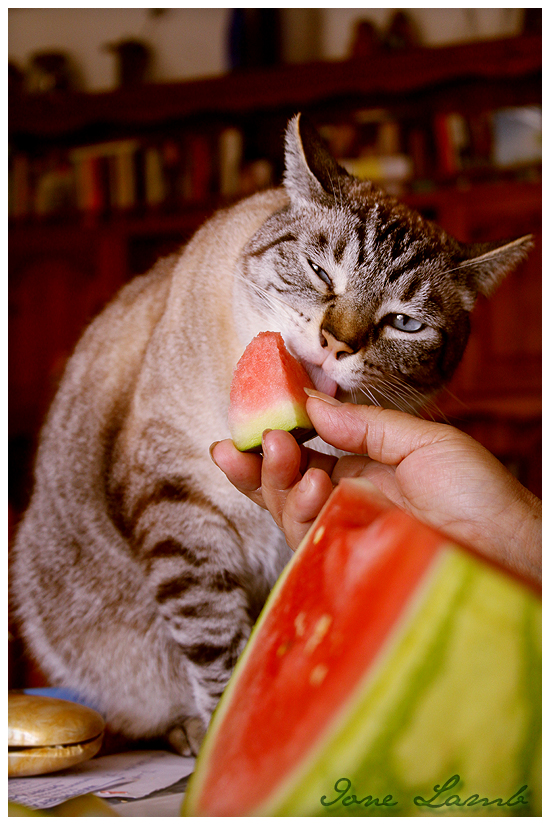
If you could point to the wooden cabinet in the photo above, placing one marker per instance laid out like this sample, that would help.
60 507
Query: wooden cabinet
496 393
65 265
505 350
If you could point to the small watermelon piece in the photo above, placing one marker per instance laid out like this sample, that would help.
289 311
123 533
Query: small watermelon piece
391 672
267 392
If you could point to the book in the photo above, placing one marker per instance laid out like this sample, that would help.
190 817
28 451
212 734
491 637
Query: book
19 186
154 183
517 136
105 175
230 144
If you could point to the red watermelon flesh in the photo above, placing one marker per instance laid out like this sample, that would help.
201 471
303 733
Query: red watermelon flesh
352 643
267 392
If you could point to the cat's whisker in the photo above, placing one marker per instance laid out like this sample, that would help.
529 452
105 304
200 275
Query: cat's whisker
455 398
274 301
406 389
434 410
429 406
340 192
356 395
399 398
341 200
368 394
462 265
424 404
493 254
397 392
457 401
332 187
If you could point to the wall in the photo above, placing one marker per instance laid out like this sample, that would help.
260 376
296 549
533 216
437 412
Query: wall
436 27
187 42
192 43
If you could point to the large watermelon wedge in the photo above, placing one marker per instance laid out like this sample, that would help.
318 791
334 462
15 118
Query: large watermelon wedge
267 392
390 673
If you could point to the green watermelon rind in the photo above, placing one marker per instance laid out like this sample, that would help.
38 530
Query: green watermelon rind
429 613
289 416
532 684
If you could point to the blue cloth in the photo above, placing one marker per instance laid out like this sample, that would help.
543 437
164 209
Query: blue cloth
60 693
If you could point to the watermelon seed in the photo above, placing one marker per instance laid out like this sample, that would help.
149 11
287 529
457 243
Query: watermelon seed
319 533
318 674
300 624
282 649
319 632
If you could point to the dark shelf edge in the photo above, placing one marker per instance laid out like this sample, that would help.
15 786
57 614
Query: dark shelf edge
283 87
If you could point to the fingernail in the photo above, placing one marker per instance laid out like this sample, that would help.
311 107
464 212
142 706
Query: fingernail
322 397
211 451
305 482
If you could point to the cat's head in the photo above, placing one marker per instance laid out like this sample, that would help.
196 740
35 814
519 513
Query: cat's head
370 296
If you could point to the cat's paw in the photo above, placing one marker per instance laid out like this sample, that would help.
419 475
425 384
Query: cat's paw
186 737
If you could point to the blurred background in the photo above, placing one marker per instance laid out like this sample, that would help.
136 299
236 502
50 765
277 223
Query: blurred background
128 127
191 43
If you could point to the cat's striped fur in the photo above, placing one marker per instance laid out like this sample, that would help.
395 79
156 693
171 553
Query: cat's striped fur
138 569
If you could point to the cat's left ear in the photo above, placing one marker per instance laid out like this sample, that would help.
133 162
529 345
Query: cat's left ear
311 173
488 264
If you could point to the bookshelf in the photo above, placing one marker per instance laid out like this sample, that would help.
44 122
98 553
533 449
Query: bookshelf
102 184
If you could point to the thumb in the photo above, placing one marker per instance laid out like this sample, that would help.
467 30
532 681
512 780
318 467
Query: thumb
386 436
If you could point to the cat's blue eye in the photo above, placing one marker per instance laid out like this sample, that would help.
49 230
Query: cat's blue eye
320 273
405 323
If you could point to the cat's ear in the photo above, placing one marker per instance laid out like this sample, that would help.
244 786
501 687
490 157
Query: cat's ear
311 173
488 264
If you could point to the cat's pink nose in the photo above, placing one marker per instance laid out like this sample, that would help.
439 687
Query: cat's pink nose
336 347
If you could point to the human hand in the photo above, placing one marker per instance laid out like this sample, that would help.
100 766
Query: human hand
434 471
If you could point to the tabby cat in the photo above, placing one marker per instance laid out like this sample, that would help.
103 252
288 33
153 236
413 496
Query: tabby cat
138 569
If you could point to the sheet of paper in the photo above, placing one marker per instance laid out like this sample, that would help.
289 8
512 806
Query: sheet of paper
161 772
129 775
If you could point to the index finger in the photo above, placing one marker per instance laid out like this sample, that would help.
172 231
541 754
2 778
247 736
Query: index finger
387 436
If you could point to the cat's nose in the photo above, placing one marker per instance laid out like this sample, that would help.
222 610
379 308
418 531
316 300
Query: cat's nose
338 348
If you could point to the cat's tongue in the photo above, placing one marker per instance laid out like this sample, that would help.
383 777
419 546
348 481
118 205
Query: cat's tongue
321 380
327 385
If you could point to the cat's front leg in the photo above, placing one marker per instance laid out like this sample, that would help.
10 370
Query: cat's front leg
194 563
206 611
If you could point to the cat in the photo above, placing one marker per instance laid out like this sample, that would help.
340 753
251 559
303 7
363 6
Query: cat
138 569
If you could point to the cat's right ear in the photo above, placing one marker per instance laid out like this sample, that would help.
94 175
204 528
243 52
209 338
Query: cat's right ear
311 173
488 264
